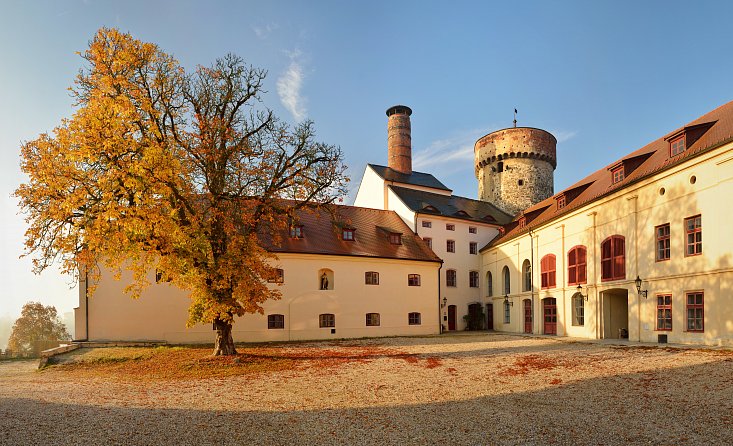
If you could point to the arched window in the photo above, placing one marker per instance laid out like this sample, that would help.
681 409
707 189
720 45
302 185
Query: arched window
489 284
577 272
613 258
526 275
507 280
325 279
547 266
450 277
507 312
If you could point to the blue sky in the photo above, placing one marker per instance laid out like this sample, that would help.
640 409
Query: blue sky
605 77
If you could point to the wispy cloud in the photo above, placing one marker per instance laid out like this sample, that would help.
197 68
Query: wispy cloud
564 135
451 153
289 86
263 31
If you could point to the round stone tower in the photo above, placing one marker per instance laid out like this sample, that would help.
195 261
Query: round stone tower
514 167
399 139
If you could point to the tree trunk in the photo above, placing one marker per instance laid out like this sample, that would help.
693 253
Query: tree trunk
224 343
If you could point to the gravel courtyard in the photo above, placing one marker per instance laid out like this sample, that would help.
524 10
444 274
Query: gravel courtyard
471 389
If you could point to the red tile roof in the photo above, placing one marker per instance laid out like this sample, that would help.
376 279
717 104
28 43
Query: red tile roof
705 133
322 235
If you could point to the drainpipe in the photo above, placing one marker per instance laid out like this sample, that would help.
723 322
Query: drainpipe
595 277
440 313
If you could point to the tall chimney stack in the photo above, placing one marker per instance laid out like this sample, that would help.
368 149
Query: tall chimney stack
399 139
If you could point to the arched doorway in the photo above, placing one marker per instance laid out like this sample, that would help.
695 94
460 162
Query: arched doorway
451 317
549 315
527 305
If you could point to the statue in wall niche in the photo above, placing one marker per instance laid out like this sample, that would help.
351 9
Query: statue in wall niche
324 282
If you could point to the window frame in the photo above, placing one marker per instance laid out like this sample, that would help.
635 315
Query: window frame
326 320
451 278
348 234
279 276
489 284
450 246
413 280
548 272
561 201
574 268
473 279
371 278
296 231
666 311
578 309
472 230
695 230
695 306
427 224
617 175
675 144
274 322
414 318
395 238
450 227
507 313
615 261
526 275
473 248
370 322
662 239
507 276
428 241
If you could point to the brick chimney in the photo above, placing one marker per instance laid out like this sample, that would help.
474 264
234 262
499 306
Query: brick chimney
399 140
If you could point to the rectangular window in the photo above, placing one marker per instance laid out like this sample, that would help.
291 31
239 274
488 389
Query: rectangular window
693 233
372 319
664 312
618 174
348 234
662 233
507 313
429 241
473 248
413 280
326 320
677 146
472 230
413 319
695 312
427 224
371 278
450 277
296 231
450 246
450 227
275 321
277 277
473 279
561 201
395 239
522 222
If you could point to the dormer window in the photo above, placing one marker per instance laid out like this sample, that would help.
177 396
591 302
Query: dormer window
677 146
347 234
395 238
561 201
296 231
618 174
522 222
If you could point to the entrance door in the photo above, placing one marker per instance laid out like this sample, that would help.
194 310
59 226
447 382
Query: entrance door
451 317
489 316
549 310
527 315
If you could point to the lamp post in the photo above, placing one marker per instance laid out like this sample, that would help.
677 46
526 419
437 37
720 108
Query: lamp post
638 287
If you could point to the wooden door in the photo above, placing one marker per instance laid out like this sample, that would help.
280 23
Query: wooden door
451 317
549 311
489 316
528 315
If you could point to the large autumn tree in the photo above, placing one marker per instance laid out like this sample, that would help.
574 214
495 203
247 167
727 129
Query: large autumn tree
159 168
37 324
